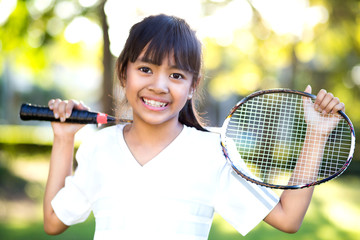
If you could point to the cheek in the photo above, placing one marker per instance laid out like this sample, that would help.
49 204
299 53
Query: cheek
129 90
184 93
129 83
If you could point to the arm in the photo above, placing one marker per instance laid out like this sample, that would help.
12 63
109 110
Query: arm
289 213
61 161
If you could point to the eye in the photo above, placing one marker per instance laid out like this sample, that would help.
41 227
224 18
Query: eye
177 76
145 70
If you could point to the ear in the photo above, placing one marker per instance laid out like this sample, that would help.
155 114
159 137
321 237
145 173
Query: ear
193 87
191 92
122 77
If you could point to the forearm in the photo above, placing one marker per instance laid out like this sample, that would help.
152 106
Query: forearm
292 207
308 164
61 163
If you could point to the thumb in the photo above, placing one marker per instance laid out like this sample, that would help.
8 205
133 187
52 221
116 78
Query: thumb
308 89
306 100
82 106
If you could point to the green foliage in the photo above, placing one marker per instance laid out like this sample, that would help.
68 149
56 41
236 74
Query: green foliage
259 58
28 135
11 186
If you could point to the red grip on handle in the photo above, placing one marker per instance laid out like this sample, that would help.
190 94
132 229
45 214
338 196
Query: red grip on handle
101 118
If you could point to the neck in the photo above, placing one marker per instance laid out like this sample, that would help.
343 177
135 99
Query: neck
147 134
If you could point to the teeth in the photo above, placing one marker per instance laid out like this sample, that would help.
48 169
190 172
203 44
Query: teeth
154 103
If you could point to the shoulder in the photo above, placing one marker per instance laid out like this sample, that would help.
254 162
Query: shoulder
109 131
210 137
205 143
103 134
99 139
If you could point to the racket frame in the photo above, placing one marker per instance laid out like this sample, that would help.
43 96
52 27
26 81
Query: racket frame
276 186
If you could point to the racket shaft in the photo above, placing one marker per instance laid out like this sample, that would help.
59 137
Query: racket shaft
42 113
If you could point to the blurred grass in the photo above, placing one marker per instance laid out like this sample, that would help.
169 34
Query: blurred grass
22 134
34 231
333 214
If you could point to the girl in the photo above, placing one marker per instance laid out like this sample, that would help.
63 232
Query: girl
163 176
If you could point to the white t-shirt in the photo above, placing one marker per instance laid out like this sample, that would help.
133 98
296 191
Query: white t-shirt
173 196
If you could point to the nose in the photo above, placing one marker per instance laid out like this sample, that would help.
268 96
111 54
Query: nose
159 84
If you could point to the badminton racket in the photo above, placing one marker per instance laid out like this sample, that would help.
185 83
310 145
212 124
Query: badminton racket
275 138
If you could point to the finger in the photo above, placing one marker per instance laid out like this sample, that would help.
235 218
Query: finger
319 98
71 104
308 89
51 103
62 110
55 107
82 106
334 101
307 100
323 107
339 107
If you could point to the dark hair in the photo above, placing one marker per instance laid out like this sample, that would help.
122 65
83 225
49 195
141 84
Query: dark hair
162 36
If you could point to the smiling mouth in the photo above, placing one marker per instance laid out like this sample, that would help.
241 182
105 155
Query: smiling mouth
154 103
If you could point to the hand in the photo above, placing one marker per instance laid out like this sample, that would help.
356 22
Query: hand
323 110
62 110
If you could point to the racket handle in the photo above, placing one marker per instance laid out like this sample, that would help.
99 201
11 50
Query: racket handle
42 113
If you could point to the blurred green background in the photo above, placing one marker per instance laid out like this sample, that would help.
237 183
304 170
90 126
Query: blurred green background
67 49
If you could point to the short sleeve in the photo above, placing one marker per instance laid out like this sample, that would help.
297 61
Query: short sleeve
241 203
72 204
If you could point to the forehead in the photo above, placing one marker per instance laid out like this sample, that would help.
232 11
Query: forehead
168 59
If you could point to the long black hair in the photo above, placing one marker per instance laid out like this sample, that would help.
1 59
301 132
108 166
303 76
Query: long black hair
160 36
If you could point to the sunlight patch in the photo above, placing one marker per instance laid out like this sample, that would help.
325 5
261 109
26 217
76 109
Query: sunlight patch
337 208
222 225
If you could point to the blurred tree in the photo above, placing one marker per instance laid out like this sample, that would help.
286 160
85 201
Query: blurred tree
276 49
32 43
322 55
107 100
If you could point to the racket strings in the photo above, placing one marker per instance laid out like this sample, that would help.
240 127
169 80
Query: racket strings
269 133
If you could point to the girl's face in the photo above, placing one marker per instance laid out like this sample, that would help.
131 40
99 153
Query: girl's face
157 93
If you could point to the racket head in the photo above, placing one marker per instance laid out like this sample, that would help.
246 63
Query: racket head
262 138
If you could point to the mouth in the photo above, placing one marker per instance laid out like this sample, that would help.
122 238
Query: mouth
153 103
